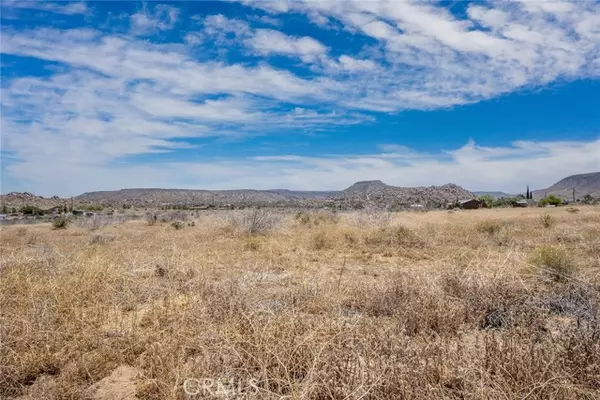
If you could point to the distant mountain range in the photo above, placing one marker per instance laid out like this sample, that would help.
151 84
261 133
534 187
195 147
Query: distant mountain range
361 194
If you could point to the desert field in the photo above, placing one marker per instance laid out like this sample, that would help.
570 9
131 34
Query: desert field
482 304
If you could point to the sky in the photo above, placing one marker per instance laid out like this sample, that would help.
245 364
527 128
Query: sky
306 95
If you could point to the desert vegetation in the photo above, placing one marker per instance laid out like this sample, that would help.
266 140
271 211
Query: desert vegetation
484 304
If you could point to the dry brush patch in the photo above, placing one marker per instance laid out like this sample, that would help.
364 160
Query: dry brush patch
317 305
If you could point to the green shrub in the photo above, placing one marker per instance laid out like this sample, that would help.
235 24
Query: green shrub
31 210
487 199
554 261
178 225
61 222
550 200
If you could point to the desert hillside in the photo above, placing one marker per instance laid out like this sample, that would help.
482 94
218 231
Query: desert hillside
371 193
584 184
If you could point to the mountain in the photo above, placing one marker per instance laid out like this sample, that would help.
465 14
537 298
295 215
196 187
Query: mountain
368 193
495 195
315 194
583 184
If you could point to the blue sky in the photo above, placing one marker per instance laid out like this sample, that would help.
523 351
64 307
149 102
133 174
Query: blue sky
299 95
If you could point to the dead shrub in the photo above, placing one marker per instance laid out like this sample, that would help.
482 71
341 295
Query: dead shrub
252 243
490 226
254 222
547 220
101 238
394 236
174 216
302 217
151 219
321 240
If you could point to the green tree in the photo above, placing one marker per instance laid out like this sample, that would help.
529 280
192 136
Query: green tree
31 210
487 199
550 200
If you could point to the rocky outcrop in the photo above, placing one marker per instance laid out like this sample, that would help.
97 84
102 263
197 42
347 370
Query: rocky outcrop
378 194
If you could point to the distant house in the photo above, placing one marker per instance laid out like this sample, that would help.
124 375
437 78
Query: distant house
471 204
54 210
521 203
417 206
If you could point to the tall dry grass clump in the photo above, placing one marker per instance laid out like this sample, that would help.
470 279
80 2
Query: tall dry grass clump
422 306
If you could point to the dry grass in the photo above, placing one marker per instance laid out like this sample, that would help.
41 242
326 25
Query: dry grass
360 305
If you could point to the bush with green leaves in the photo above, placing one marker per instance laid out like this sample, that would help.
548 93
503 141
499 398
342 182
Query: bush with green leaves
31 210
178 225
554 262
93 207
487 199
61 222
552 200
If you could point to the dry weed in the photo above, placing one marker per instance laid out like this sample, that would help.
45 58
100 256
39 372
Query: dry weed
407 305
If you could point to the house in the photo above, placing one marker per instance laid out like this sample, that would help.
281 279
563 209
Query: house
471 204
521 203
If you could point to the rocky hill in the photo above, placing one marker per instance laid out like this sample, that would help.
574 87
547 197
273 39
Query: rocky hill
16 200
584 184
361 194
377 193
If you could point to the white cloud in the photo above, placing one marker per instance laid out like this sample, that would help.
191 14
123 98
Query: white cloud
448 60
162 17
68 8
268 41
509 169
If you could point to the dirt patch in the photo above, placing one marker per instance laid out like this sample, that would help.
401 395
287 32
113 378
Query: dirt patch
119 385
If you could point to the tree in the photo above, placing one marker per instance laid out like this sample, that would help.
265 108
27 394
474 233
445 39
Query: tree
550 200
527 196
487 199
587 199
